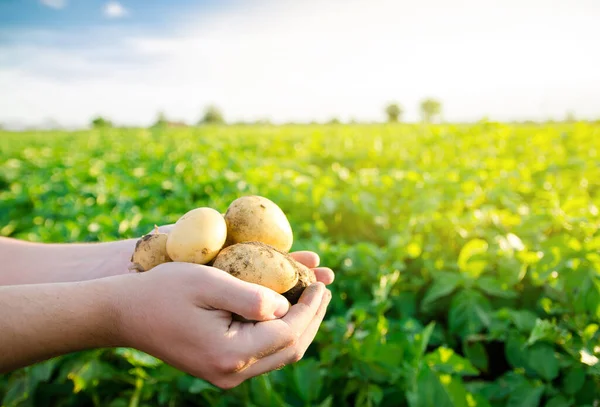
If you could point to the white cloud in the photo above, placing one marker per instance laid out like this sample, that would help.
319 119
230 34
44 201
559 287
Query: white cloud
57 4
114 9
313 60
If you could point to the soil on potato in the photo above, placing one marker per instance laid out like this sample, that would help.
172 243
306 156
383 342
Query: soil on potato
306 276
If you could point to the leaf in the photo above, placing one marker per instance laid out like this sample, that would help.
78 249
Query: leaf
138 358
527 395
573 380
558 401
514 351
444 360
471 261
477 355
427 391
262 393
524 320
328 402
423 339
541 358
543 330
443 284
492 286
308 380
17 392
197 386
468 313
370 395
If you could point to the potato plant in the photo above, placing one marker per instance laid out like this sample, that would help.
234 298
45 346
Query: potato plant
467 257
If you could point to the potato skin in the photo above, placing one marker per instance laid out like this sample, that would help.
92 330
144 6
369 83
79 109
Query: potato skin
257 219
197 236
306 277
259 263
150 251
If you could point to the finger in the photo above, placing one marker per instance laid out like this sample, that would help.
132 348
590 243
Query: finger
309 259
294 353
252 301
260 340
324 275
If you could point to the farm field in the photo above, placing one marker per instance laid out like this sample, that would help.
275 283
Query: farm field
467 257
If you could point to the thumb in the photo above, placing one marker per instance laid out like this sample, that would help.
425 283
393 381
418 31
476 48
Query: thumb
251 301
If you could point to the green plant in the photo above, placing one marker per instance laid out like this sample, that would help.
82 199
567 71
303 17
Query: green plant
467 257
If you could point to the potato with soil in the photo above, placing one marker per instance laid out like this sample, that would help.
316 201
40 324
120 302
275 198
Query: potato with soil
259 263
258 219
150 251
197 237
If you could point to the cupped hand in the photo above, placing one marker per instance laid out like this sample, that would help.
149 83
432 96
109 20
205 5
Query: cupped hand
183 314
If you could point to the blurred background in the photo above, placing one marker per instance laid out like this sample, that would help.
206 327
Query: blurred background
65 61
443 157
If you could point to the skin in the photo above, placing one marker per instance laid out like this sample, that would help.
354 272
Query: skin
61 298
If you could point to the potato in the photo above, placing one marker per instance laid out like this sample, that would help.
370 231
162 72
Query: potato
306 277
258 219
197 237
259 263
150 251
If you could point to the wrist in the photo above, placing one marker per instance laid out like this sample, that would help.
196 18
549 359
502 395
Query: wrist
106 312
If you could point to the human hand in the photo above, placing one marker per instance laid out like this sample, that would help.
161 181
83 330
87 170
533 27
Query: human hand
183 314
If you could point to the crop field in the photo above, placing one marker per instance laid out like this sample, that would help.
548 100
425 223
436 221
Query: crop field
467 257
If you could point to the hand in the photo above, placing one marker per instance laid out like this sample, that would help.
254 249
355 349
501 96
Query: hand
182 314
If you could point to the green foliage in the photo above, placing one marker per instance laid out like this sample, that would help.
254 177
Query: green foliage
430 109
467 257
393 111
212 115
100 122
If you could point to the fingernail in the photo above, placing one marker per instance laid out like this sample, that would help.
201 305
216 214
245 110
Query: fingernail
283 306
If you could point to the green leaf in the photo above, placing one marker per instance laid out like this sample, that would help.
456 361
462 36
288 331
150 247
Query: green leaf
542 359
197 386
369 395
328 402
89 374
263 394
514 351
443 284
471 260
427 391
524 320
476 353
573 380
469 313
444 360
423 339
308 380
138 358
494 287
558 401
543 331
526 395
17 392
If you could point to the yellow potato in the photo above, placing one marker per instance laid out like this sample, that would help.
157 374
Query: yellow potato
197 237
150 251
258 263
258 219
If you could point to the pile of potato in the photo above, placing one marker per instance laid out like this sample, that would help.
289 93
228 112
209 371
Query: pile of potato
251 242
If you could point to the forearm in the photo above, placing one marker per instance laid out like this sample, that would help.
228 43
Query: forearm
35 263
41 321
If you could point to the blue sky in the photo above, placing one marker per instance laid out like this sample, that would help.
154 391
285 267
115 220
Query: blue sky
69 60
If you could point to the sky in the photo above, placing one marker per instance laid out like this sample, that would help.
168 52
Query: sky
66 61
